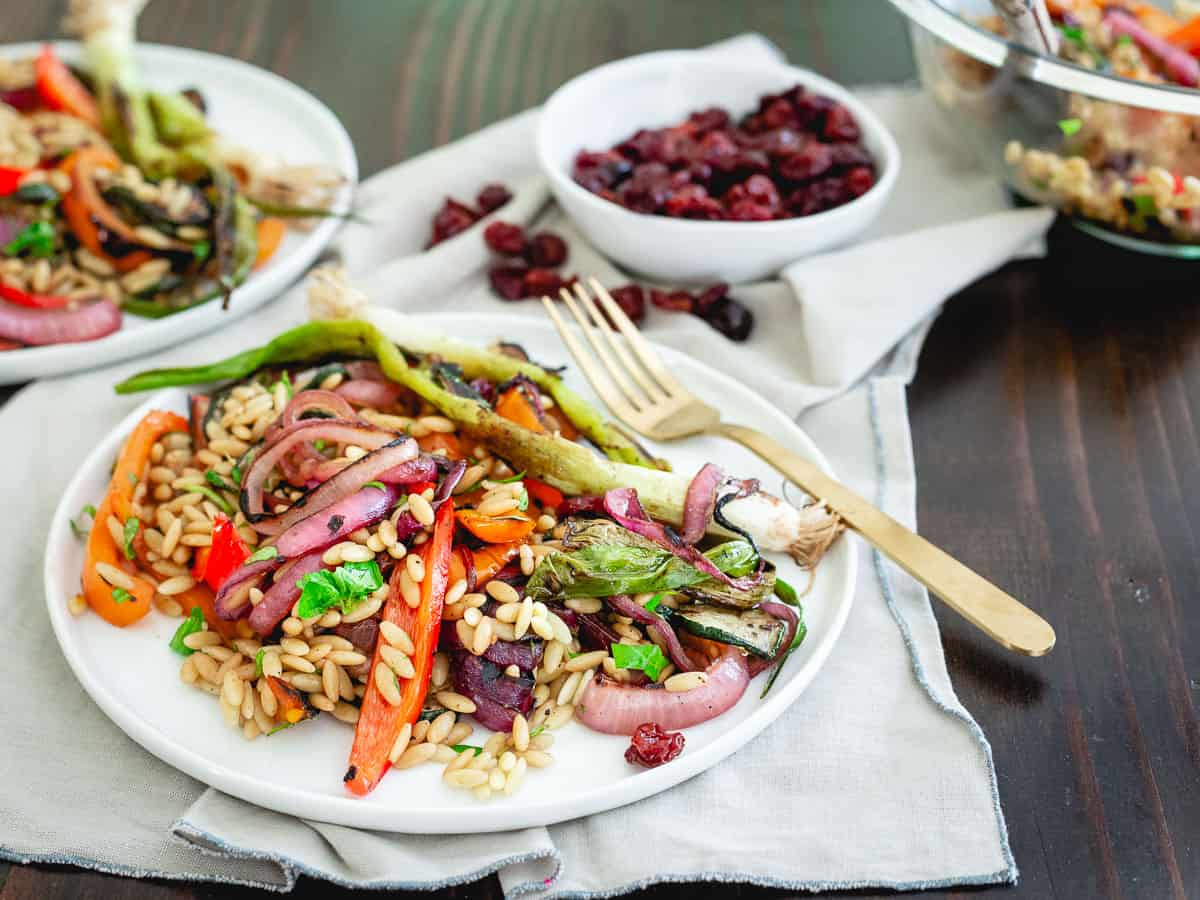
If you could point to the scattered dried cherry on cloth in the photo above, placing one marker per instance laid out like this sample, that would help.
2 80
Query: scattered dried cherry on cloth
546 250
508 281
796 145
505 238
492 197
650 746
632 300
455 217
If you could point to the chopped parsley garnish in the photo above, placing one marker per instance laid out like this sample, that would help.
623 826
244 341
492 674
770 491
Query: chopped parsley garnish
513 479
278 728
128 534
647 657
221 503
120 595
236 474
319 444
537 731
343 587
1124 39
193 623
653 602
459 748
201 250
258 659
78 530
37 238
1070 126
262 553
376 484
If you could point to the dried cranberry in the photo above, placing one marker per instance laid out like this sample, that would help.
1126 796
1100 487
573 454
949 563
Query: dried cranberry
675 301
546 250
859 180
648 188
642 145
811 110
849 154
840 125
693 202
506 238
651 746
719 151
492 197
752 161
811 161
541 282
453 218
508 281
710 119
731 318
749 211
632 300
709 296
780 114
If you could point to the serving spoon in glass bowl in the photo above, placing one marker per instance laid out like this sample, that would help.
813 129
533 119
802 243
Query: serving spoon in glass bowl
637 387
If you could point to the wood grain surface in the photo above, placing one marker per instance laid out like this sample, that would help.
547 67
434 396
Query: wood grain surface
1053 421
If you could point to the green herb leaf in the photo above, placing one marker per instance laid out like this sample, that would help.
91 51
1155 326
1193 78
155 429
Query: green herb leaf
201 250
343 587
512 480
128 534
193 623
236 474
221 503
376 484
37 238
1070 126
1124 39
262 553
647 657
120 595
132 479
537 731
78 530
287 383
459 748
523 501
215 479
319 444
278 728
258 659
786 592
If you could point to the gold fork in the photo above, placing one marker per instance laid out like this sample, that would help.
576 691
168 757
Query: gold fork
631 379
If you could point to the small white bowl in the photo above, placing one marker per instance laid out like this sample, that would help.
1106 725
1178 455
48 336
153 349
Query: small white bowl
604 106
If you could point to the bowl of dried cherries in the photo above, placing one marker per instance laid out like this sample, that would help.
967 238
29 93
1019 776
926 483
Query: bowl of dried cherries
692 167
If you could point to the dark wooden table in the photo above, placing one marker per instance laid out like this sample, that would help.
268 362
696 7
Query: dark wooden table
1053 420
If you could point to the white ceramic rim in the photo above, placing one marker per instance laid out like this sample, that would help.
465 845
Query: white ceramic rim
989 48
888 167
485 817
128 343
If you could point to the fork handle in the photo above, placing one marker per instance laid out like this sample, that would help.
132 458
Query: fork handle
1001 617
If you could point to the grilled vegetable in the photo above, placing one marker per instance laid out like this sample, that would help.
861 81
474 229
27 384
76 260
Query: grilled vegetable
750 629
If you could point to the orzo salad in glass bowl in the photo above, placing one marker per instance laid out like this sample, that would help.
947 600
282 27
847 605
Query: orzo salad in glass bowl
423 537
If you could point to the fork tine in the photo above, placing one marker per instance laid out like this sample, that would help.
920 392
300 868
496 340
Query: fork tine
632 397
641 347
602 385
654 393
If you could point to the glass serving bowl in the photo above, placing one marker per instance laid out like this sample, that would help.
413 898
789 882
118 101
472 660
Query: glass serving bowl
1121 157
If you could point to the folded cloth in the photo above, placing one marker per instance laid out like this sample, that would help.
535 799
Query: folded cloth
876 777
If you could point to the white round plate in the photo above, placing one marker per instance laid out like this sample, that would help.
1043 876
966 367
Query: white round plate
252 108
133 675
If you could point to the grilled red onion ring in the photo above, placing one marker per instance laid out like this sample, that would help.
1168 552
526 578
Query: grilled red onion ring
40 327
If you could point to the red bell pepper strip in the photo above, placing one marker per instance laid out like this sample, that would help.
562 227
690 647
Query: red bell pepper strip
379 722
60 89
543 493
10 180
33 301
228 551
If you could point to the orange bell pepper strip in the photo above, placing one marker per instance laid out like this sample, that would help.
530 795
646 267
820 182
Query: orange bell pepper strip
495 529
1187 36
379 722
135 455
201 595
59 89
108 602
438 441
86 211
1155 19
487 562
270 235
516 406
292 706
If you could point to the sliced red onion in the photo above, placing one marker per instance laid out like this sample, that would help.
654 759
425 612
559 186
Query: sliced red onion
588 503
335 521
350 479
310 401
40 327
615 708
625 605
786 614
406 526
367 392
468 561
700 502
276 604
625 508
233 598
22 99
525 655
1177 61
597 634
497 697
423 468
450 481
